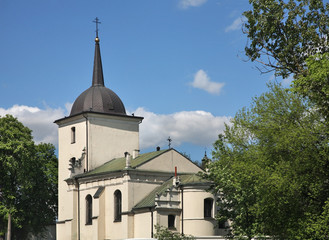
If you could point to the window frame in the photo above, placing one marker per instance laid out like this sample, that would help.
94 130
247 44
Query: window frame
73 135
117 206
89 210
171 222
208 207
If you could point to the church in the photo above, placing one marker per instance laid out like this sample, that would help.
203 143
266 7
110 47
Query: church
109 190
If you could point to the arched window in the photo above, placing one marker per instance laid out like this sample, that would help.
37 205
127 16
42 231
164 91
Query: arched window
208 203
72 134
171 222
89 210
117 206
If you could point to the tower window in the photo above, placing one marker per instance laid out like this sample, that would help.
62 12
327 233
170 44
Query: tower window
72 134
117 206
89 210
208 202
171 221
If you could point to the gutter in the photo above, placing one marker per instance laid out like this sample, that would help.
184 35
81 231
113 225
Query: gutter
151 222
77 182
182 191
87 148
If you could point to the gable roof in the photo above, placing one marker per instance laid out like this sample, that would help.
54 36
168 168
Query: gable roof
189 179
119 164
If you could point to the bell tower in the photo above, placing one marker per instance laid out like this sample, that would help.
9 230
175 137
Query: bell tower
96 131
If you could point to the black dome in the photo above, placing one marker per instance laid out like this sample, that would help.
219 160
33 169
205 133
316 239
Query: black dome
98 99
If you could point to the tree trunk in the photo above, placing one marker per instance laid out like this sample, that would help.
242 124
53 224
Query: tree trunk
9 227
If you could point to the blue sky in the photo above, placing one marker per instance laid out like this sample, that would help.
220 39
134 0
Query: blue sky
178 63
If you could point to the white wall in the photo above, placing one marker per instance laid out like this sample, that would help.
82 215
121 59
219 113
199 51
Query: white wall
168 161
142 228
194 221
110 137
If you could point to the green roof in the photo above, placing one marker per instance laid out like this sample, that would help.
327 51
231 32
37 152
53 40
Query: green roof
119 164
149 200
192 179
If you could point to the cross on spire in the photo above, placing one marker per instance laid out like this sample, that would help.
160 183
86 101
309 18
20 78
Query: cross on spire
97 22
169 142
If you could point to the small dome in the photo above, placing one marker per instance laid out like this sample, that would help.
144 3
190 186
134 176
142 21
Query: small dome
98 99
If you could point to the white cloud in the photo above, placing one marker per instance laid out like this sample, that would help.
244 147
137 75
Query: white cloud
40 121
202 81
191 3
197 127
236 25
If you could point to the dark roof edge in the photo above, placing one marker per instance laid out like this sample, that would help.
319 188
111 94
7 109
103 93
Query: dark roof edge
105 174
109 114
143 209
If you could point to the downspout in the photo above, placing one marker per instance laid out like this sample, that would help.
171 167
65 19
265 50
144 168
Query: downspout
87 152
78 208
151 222
182 191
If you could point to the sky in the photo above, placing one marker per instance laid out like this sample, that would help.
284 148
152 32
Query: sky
180 64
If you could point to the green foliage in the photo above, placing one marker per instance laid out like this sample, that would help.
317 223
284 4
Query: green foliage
271 168
163 233
283 33
314 84
28 183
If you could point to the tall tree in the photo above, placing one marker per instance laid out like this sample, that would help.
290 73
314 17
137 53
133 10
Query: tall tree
314 84
290 37
284 33
28 183
271 167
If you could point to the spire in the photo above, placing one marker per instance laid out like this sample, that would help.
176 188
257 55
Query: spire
98 78
205 161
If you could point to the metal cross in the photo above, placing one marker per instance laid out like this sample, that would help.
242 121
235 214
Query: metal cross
97 22
169 142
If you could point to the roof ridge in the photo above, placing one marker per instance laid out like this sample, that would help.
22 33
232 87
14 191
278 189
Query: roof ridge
118 164
160 152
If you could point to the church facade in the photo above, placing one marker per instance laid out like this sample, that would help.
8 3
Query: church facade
108 190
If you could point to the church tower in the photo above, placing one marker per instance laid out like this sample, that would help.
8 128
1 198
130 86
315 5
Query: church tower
96 131
98 128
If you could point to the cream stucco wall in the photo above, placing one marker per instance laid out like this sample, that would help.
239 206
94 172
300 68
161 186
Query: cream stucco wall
67 197
110 137
143 225
101 216
141 184
194 221
168 161
162 218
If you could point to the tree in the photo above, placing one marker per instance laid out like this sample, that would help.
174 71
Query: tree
271 168
314 84
28 183
290 37
284 33
163 233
